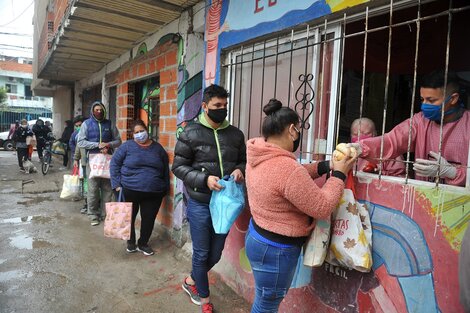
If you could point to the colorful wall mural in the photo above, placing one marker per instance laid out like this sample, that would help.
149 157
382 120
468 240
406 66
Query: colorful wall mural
188 106
417 231
232 22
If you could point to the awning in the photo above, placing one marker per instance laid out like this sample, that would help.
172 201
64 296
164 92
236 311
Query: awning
96 32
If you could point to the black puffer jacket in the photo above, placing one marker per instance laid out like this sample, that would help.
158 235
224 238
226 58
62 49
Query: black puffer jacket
197 156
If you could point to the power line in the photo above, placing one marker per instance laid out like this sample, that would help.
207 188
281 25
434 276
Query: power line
14 19
16 34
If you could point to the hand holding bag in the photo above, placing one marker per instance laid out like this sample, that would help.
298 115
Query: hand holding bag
118 219
351 240
71 187
226 205
99 165
316 247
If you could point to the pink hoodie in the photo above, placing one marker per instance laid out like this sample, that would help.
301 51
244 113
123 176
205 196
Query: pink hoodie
282 194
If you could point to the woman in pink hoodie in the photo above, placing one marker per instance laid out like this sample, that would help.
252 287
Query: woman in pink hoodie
284 202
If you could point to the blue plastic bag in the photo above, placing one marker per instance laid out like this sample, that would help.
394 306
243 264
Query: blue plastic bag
226 205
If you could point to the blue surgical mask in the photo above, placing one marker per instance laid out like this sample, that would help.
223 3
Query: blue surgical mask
141 137
433 112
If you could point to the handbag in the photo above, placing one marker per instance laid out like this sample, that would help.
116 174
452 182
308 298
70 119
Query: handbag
316 247
71 187
351 239
225 205
118 219
99 165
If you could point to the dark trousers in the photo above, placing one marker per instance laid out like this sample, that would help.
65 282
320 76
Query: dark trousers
21 153
149 204
207 245
40 147
66 157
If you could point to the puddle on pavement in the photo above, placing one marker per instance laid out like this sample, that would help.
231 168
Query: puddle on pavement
5 276
27 219
26 242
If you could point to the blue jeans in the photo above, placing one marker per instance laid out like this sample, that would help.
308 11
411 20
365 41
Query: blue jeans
273 269
207 245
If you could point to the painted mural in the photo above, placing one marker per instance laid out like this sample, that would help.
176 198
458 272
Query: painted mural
188 106
232 22
417 231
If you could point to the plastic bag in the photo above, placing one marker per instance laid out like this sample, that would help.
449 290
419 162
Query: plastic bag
71 187
58 147
226 205
99 165
351 240
118 219
316 247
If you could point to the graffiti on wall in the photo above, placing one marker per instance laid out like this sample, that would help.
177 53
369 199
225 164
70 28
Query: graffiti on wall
188 107
417 232
232 22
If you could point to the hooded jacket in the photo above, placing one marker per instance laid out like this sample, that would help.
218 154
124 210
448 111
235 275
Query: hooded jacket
93 132
282 194
202 151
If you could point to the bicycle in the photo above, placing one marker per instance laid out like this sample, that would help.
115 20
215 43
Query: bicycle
47 154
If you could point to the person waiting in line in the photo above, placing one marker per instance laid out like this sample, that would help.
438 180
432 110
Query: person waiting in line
283 200
205 152
79 154
436 97
139 169
65 138
98 135
41 131
20 139
367 130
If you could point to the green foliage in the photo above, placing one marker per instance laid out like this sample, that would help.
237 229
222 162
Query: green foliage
3 96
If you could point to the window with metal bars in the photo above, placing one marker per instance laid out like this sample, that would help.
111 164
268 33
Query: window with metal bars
364 65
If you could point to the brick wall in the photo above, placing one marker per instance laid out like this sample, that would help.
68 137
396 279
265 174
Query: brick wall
162 61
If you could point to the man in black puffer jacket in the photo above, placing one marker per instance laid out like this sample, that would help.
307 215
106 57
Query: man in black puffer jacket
206 151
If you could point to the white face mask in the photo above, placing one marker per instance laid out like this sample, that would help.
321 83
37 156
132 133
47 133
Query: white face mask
141 137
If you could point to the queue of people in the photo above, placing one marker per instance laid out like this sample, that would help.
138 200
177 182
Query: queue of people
283 214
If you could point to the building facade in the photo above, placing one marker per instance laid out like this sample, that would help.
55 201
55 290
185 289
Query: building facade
16 75
331 60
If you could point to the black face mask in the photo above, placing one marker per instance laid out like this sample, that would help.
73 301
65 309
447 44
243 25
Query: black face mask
296 142
217 116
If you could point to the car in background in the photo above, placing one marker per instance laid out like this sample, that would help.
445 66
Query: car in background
6 142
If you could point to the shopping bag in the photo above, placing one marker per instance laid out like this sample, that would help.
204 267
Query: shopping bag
99 165
31 141
118 219
71 187
351 239
225 205
316 247
58 147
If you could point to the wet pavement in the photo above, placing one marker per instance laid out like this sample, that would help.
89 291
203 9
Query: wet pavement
52 260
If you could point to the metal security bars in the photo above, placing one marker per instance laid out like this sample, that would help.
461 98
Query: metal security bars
347 83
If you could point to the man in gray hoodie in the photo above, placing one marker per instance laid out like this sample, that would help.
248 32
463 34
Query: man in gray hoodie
98 135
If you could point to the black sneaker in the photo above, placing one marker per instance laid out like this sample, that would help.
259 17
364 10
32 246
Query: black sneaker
131 247
84 210
145 249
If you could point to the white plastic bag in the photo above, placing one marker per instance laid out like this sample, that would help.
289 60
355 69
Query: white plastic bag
70 187
316 247
351 239
99 165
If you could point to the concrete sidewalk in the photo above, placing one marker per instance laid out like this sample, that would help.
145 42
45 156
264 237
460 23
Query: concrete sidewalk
52 260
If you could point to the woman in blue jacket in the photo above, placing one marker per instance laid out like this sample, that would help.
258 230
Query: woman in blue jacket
139 168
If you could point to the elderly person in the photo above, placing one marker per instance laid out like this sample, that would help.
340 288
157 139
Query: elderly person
363 128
